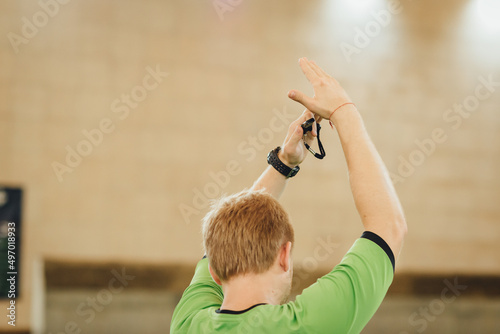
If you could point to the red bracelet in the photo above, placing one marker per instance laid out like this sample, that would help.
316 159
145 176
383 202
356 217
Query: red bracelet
329 118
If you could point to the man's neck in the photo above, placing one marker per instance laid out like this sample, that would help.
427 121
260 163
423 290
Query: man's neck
248 290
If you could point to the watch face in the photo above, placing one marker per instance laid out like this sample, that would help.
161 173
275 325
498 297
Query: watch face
270 157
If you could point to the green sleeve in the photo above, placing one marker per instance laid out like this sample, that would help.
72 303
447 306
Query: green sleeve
344 300
201 293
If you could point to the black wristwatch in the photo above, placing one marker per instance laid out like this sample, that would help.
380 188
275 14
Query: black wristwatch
273 160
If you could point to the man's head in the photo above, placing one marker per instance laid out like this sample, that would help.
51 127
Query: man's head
249 233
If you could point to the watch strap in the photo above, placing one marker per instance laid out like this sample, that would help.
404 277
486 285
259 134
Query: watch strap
274 160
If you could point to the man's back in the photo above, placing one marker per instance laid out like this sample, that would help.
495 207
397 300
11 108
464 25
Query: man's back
342 301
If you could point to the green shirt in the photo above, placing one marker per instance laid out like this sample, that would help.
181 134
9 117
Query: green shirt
342 301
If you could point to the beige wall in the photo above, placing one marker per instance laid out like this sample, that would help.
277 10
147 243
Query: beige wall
227 80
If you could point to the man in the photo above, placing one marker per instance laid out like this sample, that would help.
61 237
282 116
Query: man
242 284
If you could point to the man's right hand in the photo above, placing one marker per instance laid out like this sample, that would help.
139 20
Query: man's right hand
374 195
328 94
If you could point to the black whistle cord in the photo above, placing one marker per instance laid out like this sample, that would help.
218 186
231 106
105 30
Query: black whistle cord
322 153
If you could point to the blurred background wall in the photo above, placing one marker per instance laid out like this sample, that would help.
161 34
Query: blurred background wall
120 119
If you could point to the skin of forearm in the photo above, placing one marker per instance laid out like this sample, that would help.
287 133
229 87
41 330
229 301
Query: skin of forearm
272 181
374 195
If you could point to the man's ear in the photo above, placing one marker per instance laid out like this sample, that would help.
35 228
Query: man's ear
285 256
214 275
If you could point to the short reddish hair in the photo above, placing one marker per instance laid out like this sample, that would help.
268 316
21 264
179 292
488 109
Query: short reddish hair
243 233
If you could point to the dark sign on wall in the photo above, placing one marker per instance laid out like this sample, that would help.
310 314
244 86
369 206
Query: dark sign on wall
10 241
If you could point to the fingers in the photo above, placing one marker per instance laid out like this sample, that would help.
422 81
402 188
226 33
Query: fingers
293 149
318 118
311 69
313 133
292 140
308 114
297 123
318 70
303 99
308 70
310 135
296 136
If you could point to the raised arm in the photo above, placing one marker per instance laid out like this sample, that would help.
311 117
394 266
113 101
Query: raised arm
374 194
292 153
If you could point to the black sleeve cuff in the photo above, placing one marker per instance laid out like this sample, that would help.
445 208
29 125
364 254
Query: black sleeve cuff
381 242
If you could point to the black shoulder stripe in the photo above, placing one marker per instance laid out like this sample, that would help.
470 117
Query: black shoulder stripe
237 312
381 242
